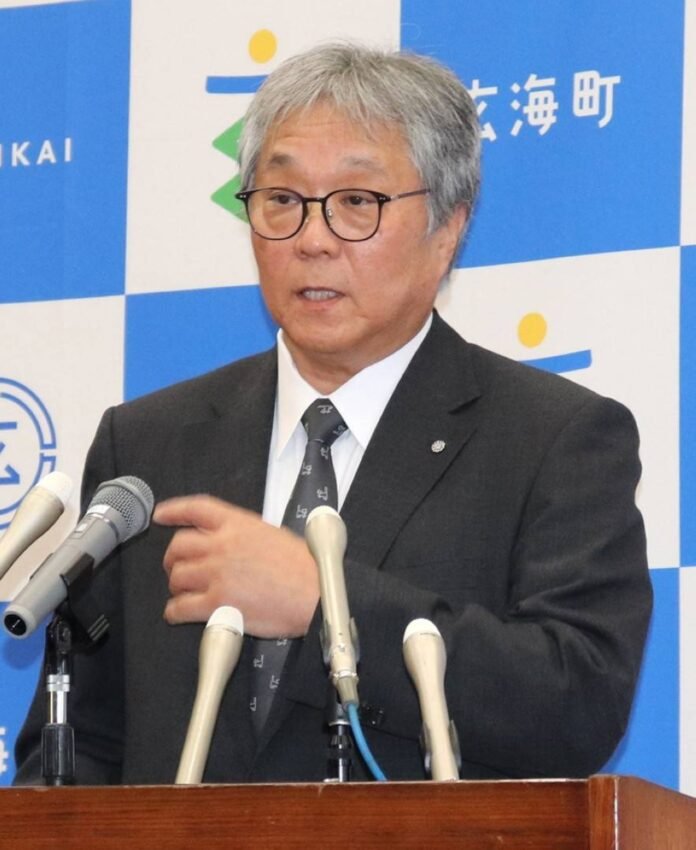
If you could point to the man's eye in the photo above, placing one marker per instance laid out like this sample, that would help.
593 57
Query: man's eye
358 200
282 199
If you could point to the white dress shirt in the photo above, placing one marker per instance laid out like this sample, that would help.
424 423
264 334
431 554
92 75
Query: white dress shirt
360 401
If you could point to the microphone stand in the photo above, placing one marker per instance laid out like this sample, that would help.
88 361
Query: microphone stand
339 767
76 625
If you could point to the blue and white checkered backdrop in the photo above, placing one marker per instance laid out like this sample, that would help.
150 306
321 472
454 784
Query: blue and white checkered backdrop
124 265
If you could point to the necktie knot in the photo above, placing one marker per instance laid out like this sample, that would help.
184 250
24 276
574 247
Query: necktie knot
322 422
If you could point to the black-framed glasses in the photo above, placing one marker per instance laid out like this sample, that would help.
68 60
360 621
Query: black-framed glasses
351 214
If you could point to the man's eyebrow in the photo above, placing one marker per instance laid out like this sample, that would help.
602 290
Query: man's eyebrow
280 159
365 162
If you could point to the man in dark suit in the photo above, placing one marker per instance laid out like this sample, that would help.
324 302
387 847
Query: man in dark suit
496 500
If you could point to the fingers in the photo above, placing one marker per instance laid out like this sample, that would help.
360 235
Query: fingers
205 520
195 552
188 577
188 544
187 608
195 593
223 554
199 511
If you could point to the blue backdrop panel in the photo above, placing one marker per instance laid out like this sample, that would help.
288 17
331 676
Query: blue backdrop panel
576 187
64 150
20 662
203 329
651 745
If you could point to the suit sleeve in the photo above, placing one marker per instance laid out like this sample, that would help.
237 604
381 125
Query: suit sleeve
543 685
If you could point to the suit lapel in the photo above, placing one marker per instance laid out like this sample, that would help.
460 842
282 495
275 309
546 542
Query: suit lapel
427 422
232 446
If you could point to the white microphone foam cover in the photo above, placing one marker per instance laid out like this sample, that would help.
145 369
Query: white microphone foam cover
228 617
420 627
321 511
59 484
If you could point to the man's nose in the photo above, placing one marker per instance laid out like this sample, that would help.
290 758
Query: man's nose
315 235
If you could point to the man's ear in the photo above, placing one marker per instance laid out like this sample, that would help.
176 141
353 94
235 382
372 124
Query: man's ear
450 233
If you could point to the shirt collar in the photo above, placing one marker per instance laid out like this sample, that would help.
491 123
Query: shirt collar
361 400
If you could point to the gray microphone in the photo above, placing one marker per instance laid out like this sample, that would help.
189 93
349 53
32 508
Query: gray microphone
119 510
219 652
425 657
39 510
325 533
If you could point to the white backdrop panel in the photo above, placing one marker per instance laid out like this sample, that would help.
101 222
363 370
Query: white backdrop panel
178 238
70 353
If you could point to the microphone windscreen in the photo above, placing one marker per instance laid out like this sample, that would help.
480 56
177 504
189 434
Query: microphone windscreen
59 484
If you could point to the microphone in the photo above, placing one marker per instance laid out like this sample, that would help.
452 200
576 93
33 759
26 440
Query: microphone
325 533
39 510
119 510
221 645
425 657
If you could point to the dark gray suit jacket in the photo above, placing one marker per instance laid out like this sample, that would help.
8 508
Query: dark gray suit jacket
520 539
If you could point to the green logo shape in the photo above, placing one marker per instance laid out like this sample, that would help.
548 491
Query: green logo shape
228 144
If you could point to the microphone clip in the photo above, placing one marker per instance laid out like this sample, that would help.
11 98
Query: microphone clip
88 622
325 641
427 749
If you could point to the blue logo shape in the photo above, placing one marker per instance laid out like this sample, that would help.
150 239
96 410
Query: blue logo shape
233 85
559 363
27 445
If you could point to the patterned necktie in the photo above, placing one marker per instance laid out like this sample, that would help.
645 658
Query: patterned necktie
315 485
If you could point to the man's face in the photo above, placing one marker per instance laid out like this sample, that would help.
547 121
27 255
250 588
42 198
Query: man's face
344 305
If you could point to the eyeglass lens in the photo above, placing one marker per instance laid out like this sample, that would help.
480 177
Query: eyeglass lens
352 214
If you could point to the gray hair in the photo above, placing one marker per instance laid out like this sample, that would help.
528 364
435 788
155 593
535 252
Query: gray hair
374 87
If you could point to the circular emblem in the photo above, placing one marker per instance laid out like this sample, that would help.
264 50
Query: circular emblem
438 446
27 445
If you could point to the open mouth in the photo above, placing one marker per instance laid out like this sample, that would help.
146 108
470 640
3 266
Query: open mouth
319 294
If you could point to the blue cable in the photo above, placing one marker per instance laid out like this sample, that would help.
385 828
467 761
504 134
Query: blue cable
369 759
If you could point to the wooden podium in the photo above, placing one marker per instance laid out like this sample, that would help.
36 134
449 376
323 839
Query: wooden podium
601 813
